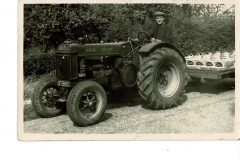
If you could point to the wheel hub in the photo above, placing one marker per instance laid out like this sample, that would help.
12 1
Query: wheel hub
167 79
89 101
163 80
49 97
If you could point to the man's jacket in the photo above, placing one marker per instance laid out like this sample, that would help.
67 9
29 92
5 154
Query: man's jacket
162 32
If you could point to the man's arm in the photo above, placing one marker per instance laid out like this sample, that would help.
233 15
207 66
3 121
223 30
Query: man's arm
145 36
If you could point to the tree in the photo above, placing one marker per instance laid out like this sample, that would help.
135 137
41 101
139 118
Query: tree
196 27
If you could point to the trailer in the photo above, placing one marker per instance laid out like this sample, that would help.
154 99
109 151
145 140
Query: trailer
212 74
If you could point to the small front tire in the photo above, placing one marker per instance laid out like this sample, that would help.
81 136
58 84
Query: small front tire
43 101
86 103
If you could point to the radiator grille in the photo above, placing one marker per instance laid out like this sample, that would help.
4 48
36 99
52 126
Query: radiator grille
63 67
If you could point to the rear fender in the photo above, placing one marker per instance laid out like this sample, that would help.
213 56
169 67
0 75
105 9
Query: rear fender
150 47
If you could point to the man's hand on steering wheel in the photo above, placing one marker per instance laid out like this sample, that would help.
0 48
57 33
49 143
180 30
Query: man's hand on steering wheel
145 33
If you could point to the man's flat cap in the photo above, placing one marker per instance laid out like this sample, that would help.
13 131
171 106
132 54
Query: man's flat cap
159 14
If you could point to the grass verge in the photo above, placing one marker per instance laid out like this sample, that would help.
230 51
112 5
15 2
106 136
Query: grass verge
31 82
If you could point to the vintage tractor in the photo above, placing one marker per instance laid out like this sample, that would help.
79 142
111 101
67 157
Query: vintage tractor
85 71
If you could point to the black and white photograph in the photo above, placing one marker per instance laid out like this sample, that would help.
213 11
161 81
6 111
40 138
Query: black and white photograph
127 71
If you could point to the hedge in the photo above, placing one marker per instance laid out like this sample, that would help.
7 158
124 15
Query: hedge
38 63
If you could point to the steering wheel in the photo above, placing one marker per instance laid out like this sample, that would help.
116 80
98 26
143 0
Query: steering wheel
144 32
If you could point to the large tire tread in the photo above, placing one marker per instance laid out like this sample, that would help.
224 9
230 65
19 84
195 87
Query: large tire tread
145 84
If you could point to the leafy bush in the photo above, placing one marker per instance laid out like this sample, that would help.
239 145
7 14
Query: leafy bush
205 33
196 27
38 63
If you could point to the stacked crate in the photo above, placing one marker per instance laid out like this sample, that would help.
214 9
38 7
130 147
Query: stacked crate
209 61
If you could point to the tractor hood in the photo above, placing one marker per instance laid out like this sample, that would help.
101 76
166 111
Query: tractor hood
94 49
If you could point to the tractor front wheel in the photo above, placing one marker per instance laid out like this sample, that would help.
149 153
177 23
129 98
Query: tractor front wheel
86 103
43 100
162 78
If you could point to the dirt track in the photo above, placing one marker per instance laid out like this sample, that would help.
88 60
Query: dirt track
209 108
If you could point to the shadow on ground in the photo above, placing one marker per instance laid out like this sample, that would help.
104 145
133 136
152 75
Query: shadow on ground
117 99
124 98
214 87
104 118
181 101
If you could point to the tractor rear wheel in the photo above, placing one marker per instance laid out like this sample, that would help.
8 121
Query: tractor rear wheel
162 78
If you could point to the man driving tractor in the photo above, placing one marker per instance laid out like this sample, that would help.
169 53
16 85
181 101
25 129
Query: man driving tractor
161 31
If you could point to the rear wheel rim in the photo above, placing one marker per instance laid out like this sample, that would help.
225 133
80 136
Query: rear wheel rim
89 104
48 99
167 79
